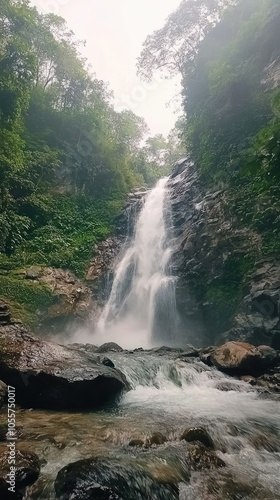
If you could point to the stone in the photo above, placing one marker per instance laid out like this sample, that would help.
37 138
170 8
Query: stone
106 362
27 472
83 480
157 438
198 434
136 443
248 379
3 392
48 375
269 382
201 458
190 352
243 358
269 356
109 347
33 273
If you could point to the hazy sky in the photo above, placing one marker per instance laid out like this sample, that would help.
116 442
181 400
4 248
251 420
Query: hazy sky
114 31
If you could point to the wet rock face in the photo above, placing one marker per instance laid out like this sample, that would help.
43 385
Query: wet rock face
211 247
104 256
258 317
206 240
73 300
87 478
47 375
244 358
27 472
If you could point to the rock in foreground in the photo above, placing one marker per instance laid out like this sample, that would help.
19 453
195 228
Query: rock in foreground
198 434
243 358
14 480
47 375
109 480
3 392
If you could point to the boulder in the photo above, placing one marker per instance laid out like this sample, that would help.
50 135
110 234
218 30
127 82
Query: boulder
198 434
3 392
200 459
89 478
243 358
109 347
26 473
157 438
136 443
48 375
269 356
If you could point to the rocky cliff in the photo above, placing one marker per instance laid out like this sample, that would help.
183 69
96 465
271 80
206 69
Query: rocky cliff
221 279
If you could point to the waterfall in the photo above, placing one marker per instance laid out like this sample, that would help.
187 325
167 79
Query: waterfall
141 306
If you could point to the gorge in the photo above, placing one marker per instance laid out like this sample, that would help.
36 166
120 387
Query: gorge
139 274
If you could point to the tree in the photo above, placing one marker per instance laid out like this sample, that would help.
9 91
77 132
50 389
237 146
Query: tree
174 47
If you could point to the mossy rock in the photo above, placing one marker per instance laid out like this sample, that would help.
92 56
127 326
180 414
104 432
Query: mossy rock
28 300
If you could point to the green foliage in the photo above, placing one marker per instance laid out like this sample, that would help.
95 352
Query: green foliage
75 225
26 299
67 158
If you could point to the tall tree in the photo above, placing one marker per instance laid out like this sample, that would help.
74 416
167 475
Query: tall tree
174 47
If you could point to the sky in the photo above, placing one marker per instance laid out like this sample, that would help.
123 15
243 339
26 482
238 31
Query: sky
114 31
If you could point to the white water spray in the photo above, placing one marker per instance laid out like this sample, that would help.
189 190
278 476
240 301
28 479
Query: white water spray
141 308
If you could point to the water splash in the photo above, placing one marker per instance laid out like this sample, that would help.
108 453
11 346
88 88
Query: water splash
141 309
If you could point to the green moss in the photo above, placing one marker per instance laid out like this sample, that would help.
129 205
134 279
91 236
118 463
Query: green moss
28 300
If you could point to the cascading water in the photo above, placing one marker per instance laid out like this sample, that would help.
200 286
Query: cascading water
141 306
168 394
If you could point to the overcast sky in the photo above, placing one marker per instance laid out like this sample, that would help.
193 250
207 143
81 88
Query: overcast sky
114 31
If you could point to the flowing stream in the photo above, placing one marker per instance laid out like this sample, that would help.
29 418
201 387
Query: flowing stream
169 395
